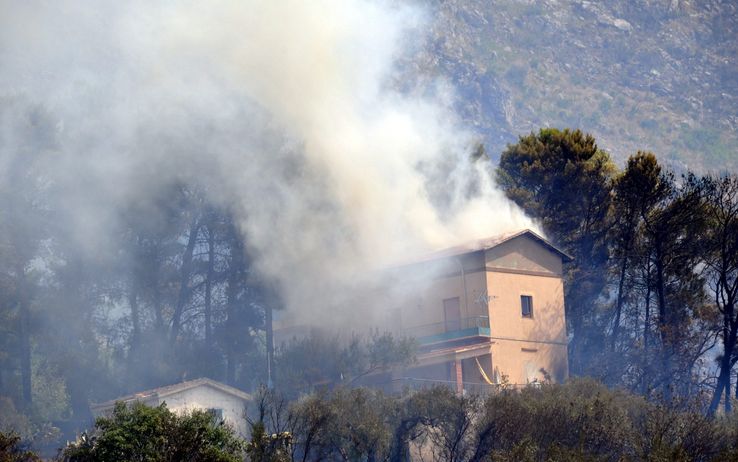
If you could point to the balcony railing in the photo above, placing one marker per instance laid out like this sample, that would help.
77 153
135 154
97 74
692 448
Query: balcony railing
475 388
475 326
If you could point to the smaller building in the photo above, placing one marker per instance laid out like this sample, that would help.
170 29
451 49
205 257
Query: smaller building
222 400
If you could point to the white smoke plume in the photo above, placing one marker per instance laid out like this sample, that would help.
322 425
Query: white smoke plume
286 110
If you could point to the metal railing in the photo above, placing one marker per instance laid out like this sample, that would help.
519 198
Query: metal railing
462 324
472 388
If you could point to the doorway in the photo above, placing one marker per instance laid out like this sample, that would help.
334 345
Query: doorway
452 313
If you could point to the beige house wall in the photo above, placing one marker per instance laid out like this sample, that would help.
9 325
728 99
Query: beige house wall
547 323
524 254
525 345
492 282
520 363
429 306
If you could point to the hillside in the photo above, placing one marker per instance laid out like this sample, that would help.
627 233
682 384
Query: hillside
660 75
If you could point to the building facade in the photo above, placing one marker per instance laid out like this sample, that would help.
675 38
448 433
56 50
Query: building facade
486 313
225 402
490 312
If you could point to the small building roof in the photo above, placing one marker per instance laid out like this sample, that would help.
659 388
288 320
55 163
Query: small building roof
163 392
489 243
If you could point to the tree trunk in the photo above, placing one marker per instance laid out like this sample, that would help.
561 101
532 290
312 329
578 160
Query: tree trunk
135 315
728 403
646 328
78 399
184 279
664 323
730 338
400 449
24 308
574 317
209 287
269 345
156 290
722 387
619 306
234 282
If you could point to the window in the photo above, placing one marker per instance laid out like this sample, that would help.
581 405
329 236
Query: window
452 313
526 303
216 413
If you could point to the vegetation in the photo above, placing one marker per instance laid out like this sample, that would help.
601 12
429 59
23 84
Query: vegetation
11 449
652 287
142 433
546 175
581 421
305 363
651 296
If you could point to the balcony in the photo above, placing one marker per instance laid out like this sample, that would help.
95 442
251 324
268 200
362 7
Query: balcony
458 329
473 388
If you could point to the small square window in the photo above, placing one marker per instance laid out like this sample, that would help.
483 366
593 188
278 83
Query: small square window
526 304
216 413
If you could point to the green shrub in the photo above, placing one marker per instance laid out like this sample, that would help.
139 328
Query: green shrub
142 433
11 449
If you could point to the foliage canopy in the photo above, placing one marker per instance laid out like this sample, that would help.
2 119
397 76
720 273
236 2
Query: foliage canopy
141 433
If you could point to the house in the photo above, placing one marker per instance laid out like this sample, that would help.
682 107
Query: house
484 313
487 312
224 401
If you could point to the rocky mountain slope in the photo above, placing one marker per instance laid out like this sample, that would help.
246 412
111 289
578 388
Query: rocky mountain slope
658 75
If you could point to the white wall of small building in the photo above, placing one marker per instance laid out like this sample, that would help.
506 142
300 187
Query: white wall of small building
206 397
203 397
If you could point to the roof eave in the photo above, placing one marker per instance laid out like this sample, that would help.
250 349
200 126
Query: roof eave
565 257
163 392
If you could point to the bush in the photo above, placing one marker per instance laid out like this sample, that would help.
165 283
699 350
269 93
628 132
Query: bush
11 449
581 420
14 422
143 433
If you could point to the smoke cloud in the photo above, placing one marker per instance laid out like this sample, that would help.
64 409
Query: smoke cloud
285 111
